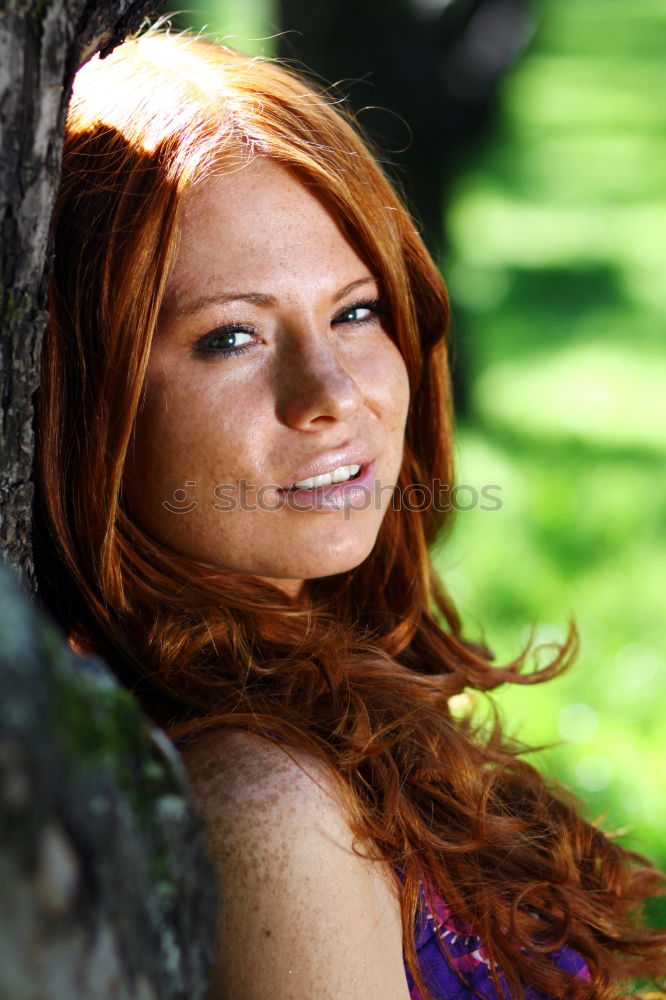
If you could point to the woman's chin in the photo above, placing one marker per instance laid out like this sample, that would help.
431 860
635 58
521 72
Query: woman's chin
313 566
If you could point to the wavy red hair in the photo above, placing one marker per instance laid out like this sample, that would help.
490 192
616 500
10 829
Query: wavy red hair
361 677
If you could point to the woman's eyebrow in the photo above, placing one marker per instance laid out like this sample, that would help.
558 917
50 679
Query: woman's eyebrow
213 298
258 298
367 280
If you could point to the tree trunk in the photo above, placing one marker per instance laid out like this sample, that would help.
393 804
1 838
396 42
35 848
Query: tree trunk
106 889
42 43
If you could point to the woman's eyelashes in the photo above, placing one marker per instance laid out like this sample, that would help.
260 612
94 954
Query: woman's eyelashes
360 312
227 341
238 338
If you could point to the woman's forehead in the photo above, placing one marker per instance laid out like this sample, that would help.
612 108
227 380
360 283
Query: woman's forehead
259 231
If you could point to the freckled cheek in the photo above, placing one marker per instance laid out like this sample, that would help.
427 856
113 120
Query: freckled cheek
167 433
387 390
200 432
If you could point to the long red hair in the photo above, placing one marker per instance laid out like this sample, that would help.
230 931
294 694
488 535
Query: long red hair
362 675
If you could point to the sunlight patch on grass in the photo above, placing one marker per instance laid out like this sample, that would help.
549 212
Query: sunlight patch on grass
489 229
593 392
588 91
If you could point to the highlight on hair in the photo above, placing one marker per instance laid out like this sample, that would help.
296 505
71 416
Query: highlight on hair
360 677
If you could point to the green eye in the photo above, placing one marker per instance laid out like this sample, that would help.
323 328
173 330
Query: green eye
359 312
225 342
354 315
229 340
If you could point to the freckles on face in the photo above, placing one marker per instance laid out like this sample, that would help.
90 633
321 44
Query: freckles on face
271 427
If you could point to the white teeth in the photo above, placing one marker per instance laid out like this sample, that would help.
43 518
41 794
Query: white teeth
340 475
344 472
303 484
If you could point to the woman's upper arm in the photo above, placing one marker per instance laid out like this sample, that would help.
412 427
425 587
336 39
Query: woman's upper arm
301 915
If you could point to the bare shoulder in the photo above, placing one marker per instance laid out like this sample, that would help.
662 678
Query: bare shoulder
301 912
267 804
231 768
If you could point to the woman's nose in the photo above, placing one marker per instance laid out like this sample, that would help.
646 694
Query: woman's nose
315 388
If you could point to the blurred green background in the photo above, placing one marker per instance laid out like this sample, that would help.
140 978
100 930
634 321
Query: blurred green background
555 256
558 270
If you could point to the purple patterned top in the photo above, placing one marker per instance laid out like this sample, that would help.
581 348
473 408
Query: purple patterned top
468 956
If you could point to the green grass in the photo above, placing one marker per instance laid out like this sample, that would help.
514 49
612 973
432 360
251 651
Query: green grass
556 264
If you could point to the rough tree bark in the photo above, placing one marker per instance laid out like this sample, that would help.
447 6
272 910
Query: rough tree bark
42 43
106 889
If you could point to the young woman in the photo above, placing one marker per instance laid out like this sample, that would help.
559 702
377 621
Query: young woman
244 377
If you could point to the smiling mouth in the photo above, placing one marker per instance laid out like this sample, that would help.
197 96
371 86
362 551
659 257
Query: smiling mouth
343 474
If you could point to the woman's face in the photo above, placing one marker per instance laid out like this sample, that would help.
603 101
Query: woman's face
272 365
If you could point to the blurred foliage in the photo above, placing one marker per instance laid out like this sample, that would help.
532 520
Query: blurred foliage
556 264
247 25
555 261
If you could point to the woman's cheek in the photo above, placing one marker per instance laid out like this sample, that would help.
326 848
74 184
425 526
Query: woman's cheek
392 387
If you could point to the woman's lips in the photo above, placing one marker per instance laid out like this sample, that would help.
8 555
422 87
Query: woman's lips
353 493
352 453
